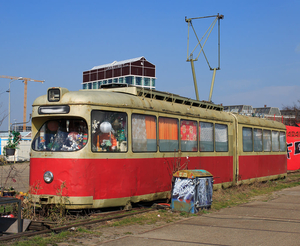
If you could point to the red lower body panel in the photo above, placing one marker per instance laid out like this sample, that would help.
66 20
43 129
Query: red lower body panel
256 166
116 178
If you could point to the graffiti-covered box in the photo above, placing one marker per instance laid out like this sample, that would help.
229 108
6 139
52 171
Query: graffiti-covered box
192 190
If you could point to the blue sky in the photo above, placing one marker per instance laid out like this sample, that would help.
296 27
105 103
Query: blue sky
56 41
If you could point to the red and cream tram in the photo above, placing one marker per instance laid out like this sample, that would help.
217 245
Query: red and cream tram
114 146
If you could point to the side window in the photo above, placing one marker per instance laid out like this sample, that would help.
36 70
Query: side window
168 134
267 140
282 141
275 141
109 131
257 136
143 133
221 137
206 136
188 133
247 139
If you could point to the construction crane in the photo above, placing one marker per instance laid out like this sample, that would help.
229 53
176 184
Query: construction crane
25 80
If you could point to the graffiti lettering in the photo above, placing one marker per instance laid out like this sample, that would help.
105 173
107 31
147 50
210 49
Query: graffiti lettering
289 150
297 148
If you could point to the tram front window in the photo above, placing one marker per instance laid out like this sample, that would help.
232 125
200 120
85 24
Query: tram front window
61 135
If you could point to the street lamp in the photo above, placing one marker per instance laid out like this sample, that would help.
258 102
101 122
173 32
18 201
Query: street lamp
20 78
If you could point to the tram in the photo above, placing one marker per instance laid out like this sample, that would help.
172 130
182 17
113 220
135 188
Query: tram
115 146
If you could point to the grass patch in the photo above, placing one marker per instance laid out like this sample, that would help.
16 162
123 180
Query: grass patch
50 239
240 194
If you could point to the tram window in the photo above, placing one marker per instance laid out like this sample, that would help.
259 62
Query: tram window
282 141
257 137
267 140
143 133
109 131
61 135
221 137
247 139
188 133
275 141
206 136
168 134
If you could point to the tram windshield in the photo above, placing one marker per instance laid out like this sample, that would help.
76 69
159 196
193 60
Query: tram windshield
61 135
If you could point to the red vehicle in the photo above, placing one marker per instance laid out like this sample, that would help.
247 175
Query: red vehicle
112 147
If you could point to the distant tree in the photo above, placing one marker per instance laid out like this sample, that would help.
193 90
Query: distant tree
292 114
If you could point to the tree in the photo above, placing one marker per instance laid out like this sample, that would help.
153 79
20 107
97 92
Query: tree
292 114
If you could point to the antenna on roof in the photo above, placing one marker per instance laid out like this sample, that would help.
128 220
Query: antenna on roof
190 56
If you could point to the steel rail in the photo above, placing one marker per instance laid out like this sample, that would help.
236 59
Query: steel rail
61 228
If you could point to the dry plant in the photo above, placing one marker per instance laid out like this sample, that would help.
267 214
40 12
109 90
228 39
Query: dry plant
176 164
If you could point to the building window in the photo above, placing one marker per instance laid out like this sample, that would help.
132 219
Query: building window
95 85
90 85
247 139
267 140
221 137
109 81
153 82
129 80
138 81
99 84
143 133
257 137
188 133
121 80
104 82
115 80
275 141
109 131
146 81
206 136
168 134
85 86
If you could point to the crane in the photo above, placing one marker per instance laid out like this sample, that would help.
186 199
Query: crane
25 80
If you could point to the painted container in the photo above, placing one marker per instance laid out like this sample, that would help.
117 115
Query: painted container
192 190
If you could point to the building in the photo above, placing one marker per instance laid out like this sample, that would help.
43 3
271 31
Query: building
137 72
267 111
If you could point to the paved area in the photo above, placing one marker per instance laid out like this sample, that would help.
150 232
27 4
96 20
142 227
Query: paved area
15 175
276 222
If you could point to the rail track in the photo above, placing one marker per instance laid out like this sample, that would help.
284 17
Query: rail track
42 227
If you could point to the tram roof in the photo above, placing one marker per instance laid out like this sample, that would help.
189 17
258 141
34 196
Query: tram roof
152 100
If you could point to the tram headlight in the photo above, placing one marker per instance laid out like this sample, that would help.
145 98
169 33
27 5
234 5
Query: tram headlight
48 177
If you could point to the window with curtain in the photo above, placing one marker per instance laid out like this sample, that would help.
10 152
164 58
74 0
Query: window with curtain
143 133
206 136
168 134
221 137
247 139
275 141
282 141
188 133
267 140
257 137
